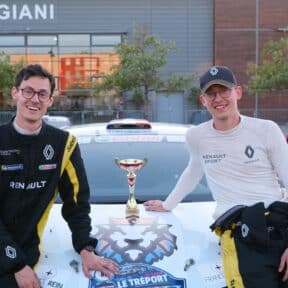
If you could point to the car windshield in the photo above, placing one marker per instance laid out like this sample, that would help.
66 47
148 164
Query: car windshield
167 157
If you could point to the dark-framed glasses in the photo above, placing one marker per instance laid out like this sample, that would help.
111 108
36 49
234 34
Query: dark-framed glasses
223 91
28 93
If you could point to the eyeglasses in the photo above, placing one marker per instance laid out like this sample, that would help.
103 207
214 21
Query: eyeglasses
29 93
224 92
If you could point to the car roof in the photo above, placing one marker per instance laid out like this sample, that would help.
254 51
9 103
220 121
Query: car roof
130 126
57 121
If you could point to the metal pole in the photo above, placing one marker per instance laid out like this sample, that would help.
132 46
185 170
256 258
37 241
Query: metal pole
256 54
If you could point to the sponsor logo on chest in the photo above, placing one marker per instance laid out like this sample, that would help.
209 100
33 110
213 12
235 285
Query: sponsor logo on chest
213 158
27 186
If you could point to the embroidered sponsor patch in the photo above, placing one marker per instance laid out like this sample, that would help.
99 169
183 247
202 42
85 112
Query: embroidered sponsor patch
10 252
47 166
12 167
48 152
28 186
9 152
71 143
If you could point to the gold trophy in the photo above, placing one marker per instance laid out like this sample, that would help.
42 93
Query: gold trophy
131 165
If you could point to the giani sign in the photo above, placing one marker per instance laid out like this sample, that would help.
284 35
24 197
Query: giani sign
26 12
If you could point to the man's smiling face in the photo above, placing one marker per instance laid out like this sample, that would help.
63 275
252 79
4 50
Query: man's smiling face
31 110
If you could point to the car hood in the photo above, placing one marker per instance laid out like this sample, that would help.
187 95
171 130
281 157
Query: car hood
164 248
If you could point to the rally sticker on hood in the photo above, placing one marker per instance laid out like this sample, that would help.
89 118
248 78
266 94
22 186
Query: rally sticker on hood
138 276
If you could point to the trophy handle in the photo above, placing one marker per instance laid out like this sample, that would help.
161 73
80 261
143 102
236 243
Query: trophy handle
145 160
117 162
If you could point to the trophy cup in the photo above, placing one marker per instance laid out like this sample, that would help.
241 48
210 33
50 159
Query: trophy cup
131 166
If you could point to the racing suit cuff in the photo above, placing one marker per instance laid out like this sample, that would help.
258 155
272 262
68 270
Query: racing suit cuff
91 242
19 267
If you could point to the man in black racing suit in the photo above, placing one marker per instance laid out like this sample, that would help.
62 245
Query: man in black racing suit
37 162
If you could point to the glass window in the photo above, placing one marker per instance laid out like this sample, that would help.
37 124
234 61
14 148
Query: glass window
42 40
46 56
74 50
103 49
51 52
12 41
106 40
74 40
13 50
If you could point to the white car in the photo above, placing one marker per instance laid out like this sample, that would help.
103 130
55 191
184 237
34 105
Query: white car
57 121
168 249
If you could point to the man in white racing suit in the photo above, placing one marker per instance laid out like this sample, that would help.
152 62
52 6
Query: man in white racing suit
244 160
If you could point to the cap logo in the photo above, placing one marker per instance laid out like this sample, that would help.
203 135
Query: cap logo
213 71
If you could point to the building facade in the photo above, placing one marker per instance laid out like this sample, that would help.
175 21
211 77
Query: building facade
74 39
241 30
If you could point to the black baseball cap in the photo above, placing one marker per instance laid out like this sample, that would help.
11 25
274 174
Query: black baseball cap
221 75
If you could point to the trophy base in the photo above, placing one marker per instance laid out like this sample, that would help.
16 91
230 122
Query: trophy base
132 211
132 219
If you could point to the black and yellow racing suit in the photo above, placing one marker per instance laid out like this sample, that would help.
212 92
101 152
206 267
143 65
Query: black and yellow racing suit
253 239
34 169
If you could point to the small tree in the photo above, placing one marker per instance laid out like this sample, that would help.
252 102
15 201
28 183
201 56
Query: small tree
7 74
272 73
138 70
